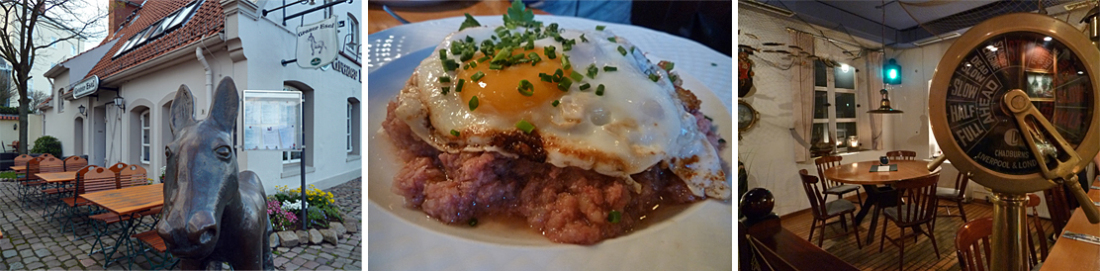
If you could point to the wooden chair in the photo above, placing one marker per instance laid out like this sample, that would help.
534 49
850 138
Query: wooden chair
901 155
132 175
833 187
1035 233
956 195
152 240
1058 206
74 163
89 179
972 244
117 167
823 211
917 209
22 160
47 165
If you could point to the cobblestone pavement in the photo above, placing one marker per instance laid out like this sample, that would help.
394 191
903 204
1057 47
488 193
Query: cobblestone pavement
32 241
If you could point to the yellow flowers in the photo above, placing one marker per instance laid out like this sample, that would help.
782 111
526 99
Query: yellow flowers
313 195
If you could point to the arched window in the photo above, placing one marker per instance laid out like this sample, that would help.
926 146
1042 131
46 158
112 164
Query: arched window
146 138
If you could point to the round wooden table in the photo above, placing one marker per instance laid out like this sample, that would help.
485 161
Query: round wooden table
877 197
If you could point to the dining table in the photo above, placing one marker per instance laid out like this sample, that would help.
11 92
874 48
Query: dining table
127 203
1070 254
860 173
19 168
57 177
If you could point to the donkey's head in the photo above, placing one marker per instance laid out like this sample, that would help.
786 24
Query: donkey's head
201 174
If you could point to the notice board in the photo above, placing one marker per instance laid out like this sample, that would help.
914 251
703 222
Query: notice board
272 120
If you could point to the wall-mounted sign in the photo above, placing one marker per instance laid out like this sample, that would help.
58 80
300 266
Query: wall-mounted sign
347 70
317 45
86 87
272 120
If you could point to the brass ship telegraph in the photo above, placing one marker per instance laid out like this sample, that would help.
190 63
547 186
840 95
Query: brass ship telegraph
1015 101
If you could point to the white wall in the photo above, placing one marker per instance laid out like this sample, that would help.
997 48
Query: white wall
768 149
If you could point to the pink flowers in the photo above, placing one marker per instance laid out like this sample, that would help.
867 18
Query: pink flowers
280 219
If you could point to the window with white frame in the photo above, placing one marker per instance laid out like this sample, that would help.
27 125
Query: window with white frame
835 104
72 49
290 157
146 138
349 128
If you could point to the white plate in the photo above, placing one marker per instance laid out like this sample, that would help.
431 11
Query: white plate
696 238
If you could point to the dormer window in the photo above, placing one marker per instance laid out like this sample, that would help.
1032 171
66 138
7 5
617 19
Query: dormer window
160 28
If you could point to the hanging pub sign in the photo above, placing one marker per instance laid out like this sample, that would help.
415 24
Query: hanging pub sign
317 44
86 87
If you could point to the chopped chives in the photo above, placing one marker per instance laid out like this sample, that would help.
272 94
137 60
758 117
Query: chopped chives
565 62
668 66
654 77
631 49
526 88
712 64
592 71
576 76
583 39
460 83
530 44
673 77
622 50
477 76
483 59
467 55
558 75
610 68
525 126
444 79
443 54
495 66
501 55
450 65
599 90
614 217
454 133
469 39
564 84
567 46
446 89
546 77
600 27
473 64
534 58
549 52
585 86
473 103
555 103
611 39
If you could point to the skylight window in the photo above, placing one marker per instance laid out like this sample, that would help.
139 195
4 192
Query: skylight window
159 28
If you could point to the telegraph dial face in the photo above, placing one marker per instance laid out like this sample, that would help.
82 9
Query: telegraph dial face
1046 58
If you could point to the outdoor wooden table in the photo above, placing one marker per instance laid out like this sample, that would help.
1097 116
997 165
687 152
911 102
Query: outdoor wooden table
19 168
378 19
57 177
129 202
1070 254
877 197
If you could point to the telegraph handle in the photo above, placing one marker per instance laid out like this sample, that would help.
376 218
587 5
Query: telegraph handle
936 163
1086 203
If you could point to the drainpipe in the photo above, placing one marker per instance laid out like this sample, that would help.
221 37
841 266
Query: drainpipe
209 76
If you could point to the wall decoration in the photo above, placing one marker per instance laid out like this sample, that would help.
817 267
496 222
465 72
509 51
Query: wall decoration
746 116
744 70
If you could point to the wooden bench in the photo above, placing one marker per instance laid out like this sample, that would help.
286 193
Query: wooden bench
780 249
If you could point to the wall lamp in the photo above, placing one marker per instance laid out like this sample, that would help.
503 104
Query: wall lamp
83 111
121 103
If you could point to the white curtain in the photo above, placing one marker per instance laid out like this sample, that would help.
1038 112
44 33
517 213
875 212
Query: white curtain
874 85
802 96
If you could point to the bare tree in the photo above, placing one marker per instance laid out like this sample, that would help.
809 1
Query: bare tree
20 38
37 97
7 86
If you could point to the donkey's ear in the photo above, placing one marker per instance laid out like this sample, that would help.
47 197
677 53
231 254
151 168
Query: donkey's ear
226 101
183 110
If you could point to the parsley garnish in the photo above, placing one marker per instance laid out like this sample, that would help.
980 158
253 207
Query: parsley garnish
519 15
469 22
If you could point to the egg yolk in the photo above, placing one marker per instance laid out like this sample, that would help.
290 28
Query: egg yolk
498 91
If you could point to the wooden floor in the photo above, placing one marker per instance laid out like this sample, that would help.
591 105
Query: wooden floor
918 256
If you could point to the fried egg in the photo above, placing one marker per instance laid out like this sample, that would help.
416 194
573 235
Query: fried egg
618 115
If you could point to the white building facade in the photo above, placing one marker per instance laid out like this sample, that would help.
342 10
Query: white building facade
153 47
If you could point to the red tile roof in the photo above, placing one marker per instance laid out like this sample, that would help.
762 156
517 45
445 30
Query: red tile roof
206 21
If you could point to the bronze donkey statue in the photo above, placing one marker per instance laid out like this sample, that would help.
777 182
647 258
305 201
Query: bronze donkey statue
212 214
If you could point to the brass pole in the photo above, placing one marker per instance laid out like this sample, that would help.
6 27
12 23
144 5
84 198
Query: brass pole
1009 235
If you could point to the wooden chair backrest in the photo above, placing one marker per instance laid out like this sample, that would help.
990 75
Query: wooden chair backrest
116 168
813 193
1058 207
132 175
32 165
972 244
22 159
1035 233
74 162
51 164
960 183
920 200
901 155
93 178
823 163
47 155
